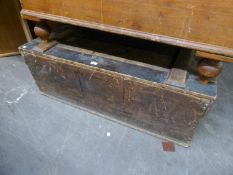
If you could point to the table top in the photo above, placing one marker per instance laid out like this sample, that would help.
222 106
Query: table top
200 25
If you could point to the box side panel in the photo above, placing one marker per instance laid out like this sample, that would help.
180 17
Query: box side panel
128 100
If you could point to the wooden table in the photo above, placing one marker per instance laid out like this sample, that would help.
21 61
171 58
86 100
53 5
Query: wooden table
204 26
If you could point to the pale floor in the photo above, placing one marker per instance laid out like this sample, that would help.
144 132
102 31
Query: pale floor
41 136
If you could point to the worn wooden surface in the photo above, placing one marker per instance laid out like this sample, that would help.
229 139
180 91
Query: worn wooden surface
11 31
200 25
214 57
129 92
122 46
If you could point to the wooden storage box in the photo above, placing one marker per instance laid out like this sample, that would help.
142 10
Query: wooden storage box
101 74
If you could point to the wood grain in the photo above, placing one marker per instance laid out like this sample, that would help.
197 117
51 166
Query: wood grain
159 111
11 31
200 25
128 92
214 57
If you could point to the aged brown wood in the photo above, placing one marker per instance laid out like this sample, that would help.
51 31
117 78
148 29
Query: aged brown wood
209 69
123 46
177 77
42 31
214 57
49 31
209 66
126 91
11 31
26 29
199 25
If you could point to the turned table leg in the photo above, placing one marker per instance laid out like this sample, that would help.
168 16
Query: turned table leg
42 30
208 69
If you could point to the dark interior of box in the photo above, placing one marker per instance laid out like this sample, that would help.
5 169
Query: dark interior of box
123 46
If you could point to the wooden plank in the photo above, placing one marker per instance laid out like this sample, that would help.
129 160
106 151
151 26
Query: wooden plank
177 78
214 57
9 54
71 48
23 22
11 32
26 29
122 47
138 34
177 22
